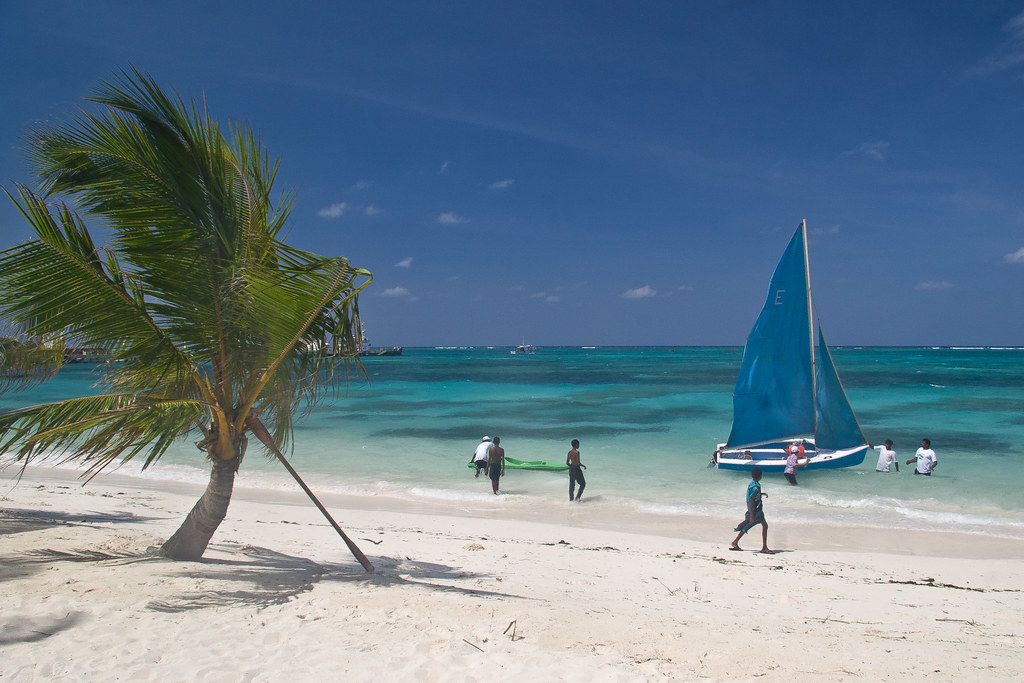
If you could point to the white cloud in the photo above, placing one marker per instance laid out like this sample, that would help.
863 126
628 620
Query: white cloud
361 185
546 298
502 184
640 293
832 230
685 288
1015 257
404 263
444 167
333 211
395 291
1009 54
336 210
933 286
872 150
450 218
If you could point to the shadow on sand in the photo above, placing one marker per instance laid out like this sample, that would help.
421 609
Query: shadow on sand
247 575
266 577
17 521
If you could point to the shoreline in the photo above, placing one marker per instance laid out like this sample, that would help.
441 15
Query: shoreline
472 595
592 514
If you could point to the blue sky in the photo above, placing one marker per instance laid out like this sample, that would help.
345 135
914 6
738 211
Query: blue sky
601 173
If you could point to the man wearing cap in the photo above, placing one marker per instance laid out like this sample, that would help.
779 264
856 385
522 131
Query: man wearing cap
480 455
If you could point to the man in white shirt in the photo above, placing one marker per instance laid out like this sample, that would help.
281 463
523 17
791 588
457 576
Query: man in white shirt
926 459
480 454
886 457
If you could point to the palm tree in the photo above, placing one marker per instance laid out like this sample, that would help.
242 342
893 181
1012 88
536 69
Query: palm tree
214 327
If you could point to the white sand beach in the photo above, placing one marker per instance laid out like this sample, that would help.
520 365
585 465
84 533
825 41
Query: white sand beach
566 596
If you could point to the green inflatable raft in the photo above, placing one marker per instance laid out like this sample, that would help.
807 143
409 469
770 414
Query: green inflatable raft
550 466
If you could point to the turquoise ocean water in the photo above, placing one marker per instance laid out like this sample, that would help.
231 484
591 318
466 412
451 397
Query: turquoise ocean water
648 420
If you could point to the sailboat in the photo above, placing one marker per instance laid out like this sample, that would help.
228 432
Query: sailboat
786 394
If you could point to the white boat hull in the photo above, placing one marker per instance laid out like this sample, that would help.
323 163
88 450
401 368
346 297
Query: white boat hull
772 457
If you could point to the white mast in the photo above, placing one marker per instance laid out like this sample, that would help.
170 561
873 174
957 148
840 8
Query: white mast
810 319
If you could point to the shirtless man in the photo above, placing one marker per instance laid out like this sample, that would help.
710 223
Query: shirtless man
575 471
495 463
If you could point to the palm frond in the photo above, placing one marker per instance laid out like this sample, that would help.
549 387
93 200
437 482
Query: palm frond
25 363
305 342
99 429
60 286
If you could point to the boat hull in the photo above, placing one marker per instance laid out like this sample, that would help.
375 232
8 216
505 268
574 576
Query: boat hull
772 457
381 351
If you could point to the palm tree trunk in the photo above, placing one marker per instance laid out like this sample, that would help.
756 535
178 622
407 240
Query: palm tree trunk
190 540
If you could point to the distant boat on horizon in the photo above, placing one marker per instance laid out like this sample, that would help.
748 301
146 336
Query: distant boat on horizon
784 394
366 350
524 349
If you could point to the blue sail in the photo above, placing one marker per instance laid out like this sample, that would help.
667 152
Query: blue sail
837 426
774 396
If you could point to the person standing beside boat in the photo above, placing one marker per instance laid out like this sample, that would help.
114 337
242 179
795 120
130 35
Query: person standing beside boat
495 463
575 471
926 459
793 455
886 457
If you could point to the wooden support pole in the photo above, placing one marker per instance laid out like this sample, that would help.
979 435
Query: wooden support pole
263 434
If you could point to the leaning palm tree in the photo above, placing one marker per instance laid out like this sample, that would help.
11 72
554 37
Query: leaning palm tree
214 327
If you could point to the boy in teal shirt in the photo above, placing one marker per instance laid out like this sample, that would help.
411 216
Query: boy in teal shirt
755 513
